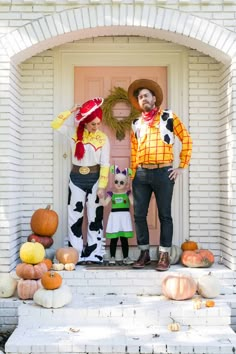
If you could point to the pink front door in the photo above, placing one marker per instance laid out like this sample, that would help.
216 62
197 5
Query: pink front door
91 82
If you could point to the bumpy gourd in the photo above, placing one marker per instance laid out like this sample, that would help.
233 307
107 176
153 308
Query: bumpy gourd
53 298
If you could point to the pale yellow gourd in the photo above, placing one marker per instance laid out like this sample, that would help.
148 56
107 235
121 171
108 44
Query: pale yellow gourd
69 266
58 266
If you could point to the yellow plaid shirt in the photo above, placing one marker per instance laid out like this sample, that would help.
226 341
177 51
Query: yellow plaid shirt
147 146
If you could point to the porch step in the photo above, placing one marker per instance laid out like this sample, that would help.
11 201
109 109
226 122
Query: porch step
122 324
121 310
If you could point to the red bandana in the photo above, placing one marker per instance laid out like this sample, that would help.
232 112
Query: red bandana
148 117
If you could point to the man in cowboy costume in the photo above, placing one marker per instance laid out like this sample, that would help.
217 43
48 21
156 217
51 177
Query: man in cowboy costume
152 156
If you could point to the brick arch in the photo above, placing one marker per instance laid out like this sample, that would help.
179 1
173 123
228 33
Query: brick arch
113 20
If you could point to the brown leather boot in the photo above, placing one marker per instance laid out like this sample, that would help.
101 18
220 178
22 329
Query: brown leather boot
164 262
144 259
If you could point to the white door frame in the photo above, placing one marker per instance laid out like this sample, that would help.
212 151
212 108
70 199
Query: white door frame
82 54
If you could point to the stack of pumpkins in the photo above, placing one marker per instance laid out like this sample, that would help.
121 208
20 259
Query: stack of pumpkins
31 270
193 257
52 294
44 223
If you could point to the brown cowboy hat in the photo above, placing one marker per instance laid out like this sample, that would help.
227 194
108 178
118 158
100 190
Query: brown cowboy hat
147 84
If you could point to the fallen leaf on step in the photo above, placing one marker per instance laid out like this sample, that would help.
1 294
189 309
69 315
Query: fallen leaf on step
75 330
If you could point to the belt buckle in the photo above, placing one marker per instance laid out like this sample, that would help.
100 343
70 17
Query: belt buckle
84 170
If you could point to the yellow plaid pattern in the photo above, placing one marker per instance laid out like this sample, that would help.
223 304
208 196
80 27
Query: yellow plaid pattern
149 148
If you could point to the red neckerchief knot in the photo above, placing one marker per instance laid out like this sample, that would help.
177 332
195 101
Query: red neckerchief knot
148 117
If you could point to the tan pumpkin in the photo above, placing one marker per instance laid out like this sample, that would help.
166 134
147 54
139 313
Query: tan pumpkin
189 245
46 241
67 255
44 222
27 288
51 280
32 252
8 285
179 286
30 271
53 298
197 259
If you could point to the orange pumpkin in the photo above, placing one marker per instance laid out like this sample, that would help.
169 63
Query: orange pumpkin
44 222
51 280
210 303
67 255
30 271
179 286
48 263
189 246
197 259
46 241
27 288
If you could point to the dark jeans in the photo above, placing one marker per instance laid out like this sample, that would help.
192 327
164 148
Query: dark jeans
145 182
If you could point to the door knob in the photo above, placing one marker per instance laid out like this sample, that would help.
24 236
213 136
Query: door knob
65 155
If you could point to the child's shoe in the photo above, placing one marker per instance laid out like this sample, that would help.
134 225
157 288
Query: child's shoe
112 261
127 261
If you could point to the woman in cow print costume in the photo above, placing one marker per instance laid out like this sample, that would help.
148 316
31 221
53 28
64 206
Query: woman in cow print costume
152 156
88 178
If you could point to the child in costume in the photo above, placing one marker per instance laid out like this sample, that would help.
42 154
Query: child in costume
119 223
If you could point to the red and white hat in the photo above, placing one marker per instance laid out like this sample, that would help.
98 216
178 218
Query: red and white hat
87 108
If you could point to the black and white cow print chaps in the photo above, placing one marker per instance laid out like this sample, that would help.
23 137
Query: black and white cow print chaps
93 249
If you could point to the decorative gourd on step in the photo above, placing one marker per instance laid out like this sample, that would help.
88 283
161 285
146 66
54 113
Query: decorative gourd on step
197 259
32 252
27 288
58 266
210 303
44 222
208 286
51 280
179 286
69 266
189 245
53 298
67 255
174 326
46 241
7 285
31 271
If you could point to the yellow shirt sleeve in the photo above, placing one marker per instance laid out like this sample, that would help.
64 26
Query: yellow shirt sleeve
59 120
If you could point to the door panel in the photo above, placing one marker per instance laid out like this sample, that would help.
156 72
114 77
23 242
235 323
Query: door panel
90 82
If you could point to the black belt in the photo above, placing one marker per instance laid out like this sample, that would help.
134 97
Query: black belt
121 209
85 170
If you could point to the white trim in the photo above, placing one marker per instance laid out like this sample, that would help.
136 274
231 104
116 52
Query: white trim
126 54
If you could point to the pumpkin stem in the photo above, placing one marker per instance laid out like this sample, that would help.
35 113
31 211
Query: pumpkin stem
48 207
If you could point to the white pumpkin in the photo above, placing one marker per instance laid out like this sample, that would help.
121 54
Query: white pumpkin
8 285
53 298
208 286
175 253
58 266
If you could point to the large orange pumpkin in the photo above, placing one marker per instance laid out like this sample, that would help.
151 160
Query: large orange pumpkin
30 271
44 222
179 286
197 259
67 255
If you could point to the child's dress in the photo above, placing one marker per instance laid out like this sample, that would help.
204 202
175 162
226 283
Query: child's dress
119 222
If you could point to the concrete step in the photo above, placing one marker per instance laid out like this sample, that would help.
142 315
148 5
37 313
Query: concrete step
125 310
122 324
